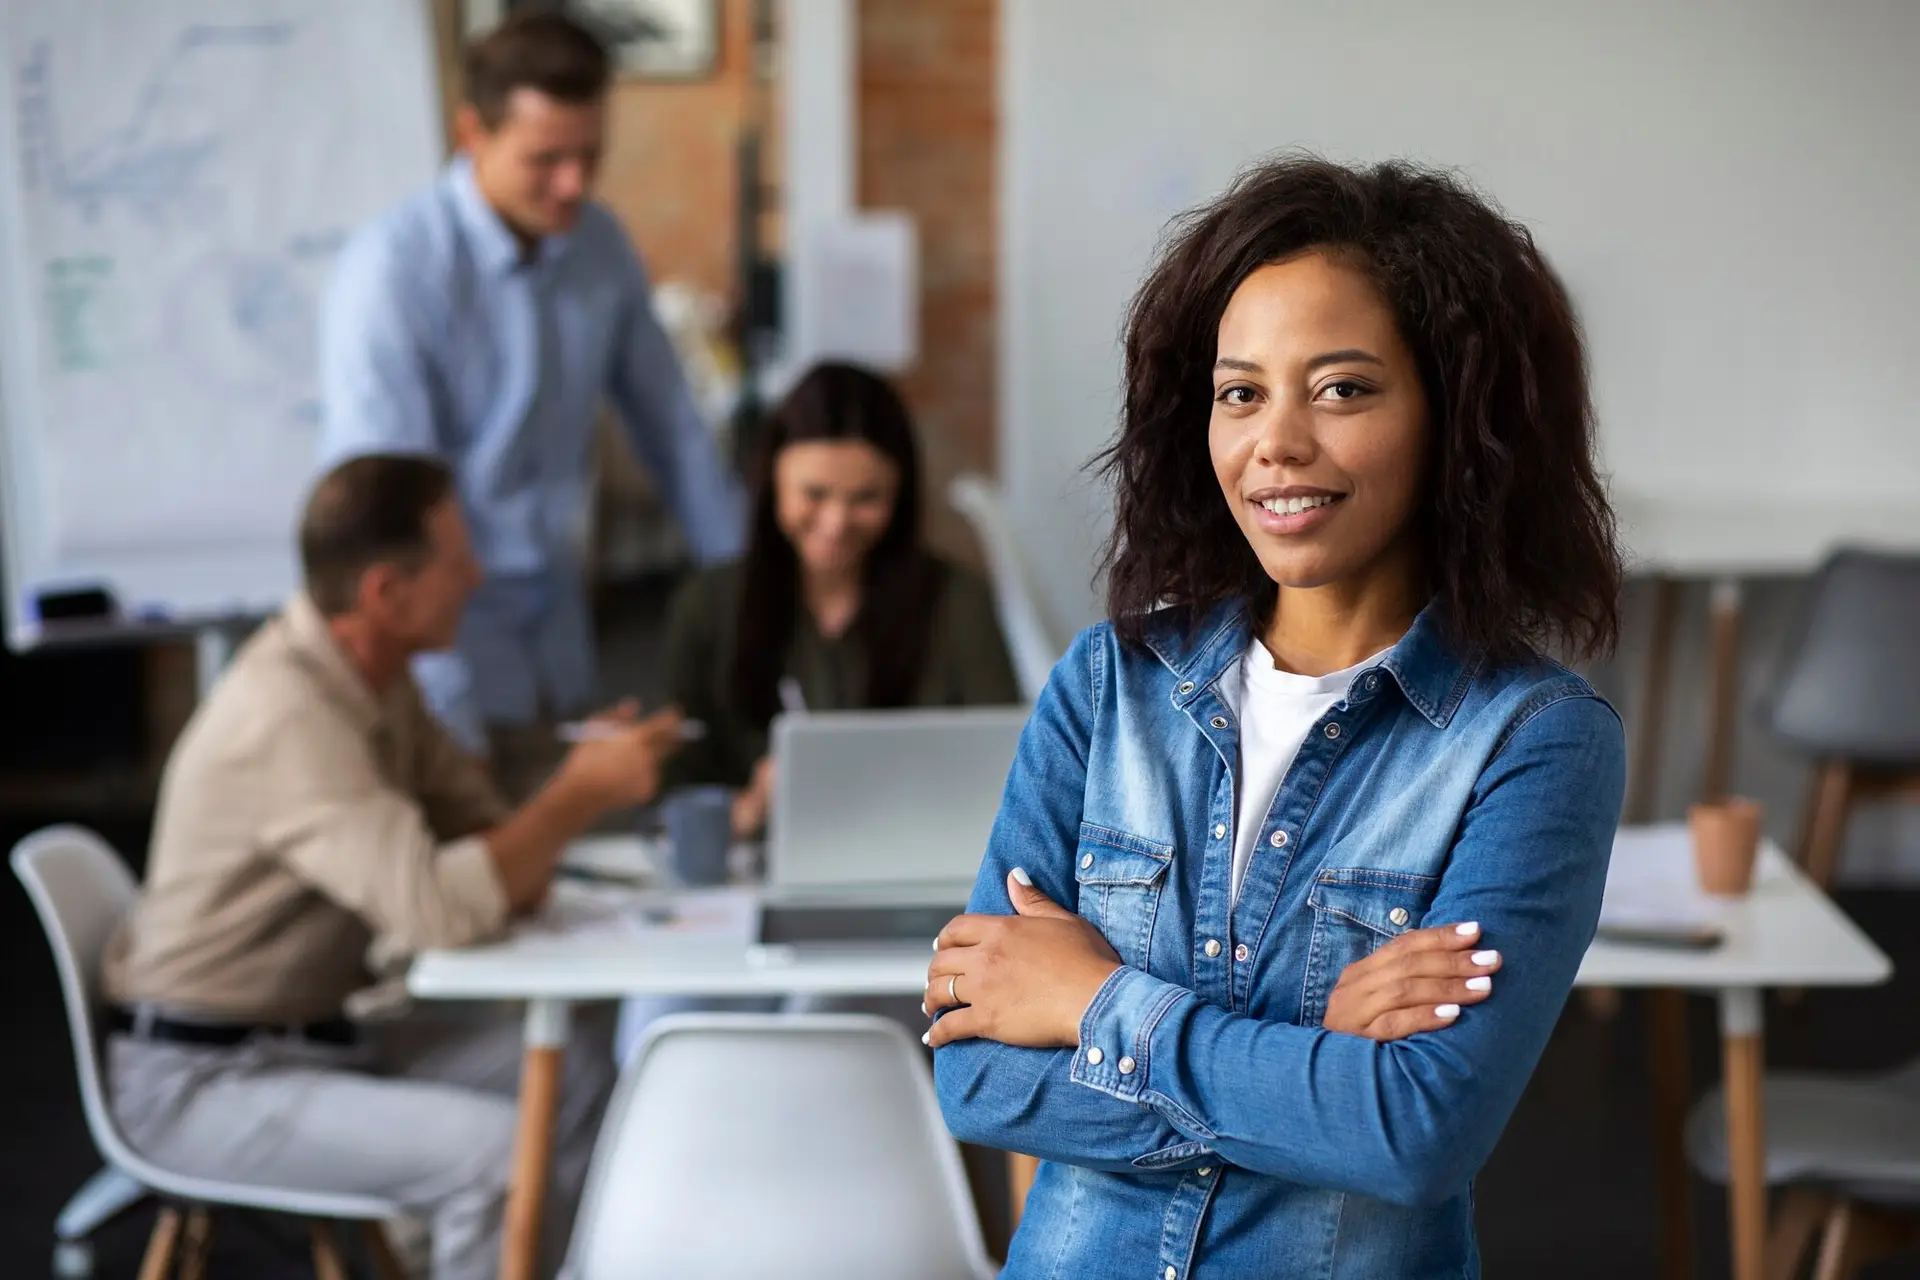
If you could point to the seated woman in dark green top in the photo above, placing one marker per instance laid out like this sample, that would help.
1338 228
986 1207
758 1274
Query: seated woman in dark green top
836 600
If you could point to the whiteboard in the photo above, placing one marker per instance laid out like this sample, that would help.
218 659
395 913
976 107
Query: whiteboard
175 179
1732 193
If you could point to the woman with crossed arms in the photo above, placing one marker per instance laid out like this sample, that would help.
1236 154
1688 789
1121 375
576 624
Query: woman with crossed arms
1274 827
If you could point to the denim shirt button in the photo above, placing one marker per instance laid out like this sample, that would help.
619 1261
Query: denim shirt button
1086 860
1278 839
1172 1274
1373 682
1204 1170
1186 686
1398 915
1126 1066
1241 953
1333 731
1218 722
1095 1057
1219 831
1213 947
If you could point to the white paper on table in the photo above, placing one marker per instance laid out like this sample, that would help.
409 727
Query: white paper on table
636 858
1651 883
574 913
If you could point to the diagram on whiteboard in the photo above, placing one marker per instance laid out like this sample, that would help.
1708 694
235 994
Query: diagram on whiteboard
183 176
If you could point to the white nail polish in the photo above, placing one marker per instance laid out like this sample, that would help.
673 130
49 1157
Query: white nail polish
1445 1011
1468 929
1020 874
923 1009
926 1037
936 944
1481 983
1486 957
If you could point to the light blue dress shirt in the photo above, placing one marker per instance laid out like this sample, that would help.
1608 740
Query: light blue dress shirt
438 337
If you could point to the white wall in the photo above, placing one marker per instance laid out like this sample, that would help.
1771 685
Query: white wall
1732 192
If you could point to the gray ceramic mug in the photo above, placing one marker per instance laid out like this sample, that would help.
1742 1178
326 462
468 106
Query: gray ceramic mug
700 831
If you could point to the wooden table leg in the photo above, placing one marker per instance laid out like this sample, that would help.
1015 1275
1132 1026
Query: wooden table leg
1723 711
1021 1171
1744 1064
1673 1179
546 1047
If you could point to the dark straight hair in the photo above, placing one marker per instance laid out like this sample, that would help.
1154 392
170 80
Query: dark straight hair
901 581
368 510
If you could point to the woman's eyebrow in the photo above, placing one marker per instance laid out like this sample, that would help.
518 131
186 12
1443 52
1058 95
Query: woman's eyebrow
1346 355
1243 366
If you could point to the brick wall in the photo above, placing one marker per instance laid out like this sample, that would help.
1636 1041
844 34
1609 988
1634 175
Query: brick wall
928 111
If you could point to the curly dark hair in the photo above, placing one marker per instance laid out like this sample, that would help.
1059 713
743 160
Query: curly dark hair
1520 541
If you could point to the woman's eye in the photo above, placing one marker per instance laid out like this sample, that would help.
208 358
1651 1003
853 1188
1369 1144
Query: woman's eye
1343 389
1235 396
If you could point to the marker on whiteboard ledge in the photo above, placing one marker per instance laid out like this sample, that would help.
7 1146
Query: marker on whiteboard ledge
601 730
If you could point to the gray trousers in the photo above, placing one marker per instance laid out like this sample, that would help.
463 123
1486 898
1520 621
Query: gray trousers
423 1113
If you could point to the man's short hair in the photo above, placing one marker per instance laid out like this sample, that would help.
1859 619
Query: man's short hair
542 49
367 511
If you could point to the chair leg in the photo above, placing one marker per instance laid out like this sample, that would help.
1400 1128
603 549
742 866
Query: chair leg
1855 1235
1826 821
162 1245
327 1262
196 1243
386 1265
1796 1219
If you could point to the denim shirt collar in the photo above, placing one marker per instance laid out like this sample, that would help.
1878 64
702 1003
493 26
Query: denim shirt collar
1431 674
495 245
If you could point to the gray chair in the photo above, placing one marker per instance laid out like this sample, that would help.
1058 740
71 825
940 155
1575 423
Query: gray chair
81 890
1846 1148
805 1146
1849 696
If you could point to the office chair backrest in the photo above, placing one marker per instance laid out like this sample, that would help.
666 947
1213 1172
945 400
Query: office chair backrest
1851 689
1029 642
81 890
800 1146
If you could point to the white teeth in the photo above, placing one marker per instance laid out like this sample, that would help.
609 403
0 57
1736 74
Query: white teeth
1294 506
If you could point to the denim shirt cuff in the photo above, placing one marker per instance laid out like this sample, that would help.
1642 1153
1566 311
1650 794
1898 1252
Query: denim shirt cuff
1116 1031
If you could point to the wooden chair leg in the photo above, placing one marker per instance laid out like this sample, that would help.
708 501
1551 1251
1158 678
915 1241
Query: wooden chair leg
162 1245
1796 1220
1826 822
196 1243
1856 1235
327 1262
386 1264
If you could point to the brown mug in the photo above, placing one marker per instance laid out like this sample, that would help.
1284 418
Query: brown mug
1726 840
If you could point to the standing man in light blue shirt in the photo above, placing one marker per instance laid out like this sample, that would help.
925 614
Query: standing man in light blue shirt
483 321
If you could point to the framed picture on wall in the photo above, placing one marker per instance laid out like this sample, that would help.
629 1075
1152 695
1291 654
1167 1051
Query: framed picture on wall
650 39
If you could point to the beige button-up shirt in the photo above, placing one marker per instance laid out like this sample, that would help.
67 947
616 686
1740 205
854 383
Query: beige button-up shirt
302 820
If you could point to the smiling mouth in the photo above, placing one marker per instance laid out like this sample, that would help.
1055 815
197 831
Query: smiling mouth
1295 506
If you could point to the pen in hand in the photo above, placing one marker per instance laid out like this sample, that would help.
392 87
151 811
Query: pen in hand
600 730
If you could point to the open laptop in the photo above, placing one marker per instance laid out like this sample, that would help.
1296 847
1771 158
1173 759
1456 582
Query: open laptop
879 822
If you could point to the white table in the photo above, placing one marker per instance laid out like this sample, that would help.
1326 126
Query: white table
1786 933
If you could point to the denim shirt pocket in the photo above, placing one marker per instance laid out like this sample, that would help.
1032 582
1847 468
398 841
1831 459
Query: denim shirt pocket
1120 878
1355 911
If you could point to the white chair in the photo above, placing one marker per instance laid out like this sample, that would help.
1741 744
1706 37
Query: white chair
81 889
1846 1150
807 1146
1029 640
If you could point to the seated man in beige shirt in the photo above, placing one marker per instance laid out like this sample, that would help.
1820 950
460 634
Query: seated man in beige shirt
313 815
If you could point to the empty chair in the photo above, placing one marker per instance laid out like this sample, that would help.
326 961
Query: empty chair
751 1145
81 889
1846 1147
1029 641
1849 696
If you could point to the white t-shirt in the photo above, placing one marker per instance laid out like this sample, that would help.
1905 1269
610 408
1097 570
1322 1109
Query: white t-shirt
1276 709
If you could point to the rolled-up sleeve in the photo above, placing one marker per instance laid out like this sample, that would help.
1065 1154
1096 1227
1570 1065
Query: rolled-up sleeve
343 829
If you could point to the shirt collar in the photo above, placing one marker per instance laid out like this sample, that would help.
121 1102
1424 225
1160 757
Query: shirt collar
313 643
1430 673
494 243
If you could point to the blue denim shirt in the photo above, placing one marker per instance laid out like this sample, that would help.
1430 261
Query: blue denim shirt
1207 1125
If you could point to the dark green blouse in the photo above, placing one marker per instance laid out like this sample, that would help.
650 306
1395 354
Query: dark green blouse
966 665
